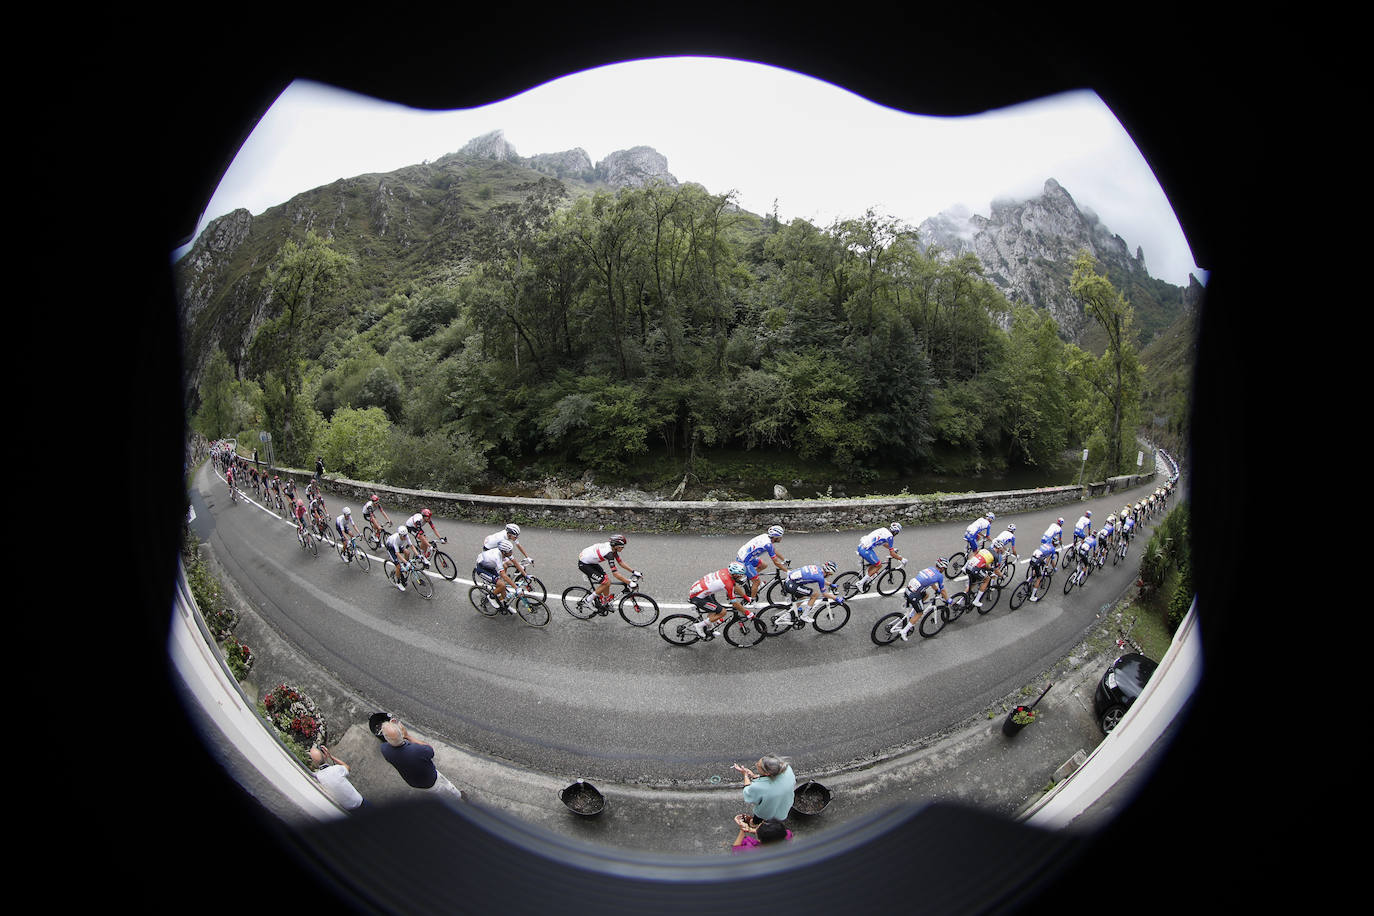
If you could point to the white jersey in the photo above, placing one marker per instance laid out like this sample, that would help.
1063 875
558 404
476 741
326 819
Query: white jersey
399 541
979 526
876 537
1052 532
416 521
1083 524
491 559
597 553
1005 539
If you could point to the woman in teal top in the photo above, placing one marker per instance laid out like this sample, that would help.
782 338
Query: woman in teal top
771 789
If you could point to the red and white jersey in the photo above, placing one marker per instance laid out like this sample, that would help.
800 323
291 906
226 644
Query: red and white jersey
598 553
718 581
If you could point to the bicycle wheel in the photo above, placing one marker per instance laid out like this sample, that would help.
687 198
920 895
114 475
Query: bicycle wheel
364 563
477 597
883 632
891 580
846 584
311 544
638 609
831 617
677 629
1070 581
775 619
341 549
1066 558
1019 596
990 597
535 587
956 562
957 605
373 540
743 632
577 601
443 563
773 594
933 620
1007 574
531 610
423 586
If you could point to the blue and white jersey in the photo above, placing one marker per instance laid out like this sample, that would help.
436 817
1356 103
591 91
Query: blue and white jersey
979 527
1044 553
1089 544
756 548
1108 529
812 573
1004 540
927 577
1082 526
879 537
1129 524
1053 534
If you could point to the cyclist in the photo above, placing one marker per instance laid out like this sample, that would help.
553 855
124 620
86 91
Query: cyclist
491 567
416 524
1041 565
749 554
1054 535
917 590
1085 554
798 584
977 532
1083 527
274 486
402 549
510 533
288 489
1107 536
868 551
318 512
298 512
374 505
229 479
1005 543
978 568
253 478
344 525
730 581
1127 524
589 562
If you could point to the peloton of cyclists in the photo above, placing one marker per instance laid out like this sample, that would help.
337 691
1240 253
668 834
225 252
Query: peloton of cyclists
921 586
809 582
702 595
749 556
589 564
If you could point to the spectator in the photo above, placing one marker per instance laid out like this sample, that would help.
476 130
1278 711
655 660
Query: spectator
319 467
751 835
333 775
414 760
771 789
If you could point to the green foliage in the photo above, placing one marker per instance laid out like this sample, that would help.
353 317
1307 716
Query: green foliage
354 443
448 462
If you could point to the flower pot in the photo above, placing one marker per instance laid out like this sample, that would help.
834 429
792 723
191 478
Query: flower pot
810 798
1011 726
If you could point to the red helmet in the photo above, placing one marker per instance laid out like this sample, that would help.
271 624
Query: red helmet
376 498
425 512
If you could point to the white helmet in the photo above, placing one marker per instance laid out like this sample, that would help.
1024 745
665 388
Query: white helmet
513 530
896 528
347 511
505 546
1011 528
991 517
775 531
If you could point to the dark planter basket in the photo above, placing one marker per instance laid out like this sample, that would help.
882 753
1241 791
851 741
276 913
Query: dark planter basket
810 798
583 798
1009 727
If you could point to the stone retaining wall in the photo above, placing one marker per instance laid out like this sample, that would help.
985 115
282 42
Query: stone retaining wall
711 516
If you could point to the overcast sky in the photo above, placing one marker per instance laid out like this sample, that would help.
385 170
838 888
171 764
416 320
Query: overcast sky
819 151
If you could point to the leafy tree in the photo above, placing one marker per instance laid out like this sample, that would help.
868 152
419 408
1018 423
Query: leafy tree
302 287
354 443
1115 375
215 418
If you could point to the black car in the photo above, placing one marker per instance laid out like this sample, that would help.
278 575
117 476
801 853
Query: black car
1120 685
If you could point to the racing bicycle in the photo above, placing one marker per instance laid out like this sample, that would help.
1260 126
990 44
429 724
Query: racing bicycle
741 630
829 615
407 572
1028 587
528 607
349 551
935 614
637 608
889 580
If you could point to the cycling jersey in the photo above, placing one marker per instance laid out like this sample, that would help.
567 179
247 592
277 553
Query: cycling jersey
1082 526
1129 524
1088 546
342 522
416 522
751 553
1043 554
490 560
598 553
811 573
1108 529
299 511
718 581
980 560
398 542
1004 540
1053 534
927 577
495 538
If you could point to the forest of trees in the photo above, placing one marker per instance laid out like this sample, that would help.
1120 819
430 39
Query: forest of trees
638 333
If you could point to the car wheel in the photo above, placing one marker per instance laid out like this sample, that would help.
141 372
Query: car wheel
1111 716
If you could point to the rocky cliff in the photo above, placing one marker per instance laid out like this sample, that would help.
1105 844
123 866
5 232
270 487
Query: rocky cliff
629 168
1027 249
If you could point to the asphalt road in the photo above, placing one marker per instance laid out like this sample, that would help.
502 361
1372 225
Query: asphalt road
608 701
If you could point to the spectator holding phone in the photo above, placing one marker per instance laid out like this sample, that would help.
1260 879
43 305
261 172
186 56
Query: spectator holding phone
771 789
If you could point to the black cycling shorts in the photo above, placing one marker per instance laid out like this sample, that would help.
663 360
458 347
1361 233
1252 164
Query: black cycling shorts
707 604
592 571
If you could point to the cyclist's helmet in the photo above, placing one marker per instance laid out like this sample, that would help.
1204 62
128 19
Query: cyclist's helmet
1011 528
426 513
347 511
1060 521
896 528
618 540
1088 514
513 530
991 517
376 498
736 570
775 531
829 567
941 563
505 546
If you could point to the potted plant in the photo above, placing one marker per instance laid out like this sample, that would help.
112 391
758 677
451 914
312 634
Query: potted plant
1022 716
